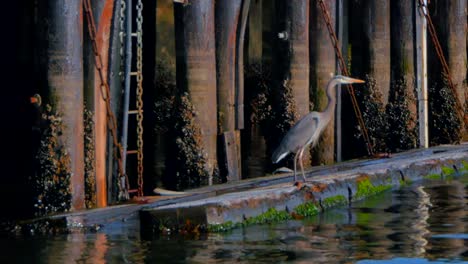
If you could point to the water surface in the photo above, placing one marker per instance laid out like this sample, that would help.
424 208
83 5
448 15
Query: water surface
422 223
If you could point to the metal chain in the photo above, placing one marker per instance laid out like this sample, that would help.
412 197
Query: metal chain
105 92
344 69
122 37
139 65
458 106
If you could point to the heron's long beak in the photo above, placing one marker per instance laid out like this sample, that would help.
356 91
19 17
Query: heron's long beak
352 80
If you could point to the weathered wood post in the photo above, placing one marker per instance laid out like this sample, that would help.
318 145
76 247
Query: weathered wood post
255 27
61 54
402 97
296 54
196 67
288 61
376 26
449 20
457 53
322 68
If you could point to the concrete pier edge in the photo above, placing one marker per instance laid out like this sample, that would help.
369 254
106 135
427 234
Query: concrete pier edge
285 201
264 200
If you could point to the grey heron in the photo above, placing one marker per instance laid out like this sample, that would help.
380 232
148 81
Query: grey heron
309 128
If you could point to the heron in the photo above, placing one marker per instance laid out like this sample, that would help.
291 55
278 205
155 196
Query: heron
308 129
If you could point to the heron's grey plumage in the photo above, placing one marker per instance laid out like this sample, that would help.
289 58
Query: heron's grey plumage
309 128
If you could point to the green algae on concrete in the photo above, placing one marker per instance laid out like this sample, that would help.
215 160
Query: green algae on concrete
270 216
447 171
433 176
307 209
365 188
334 201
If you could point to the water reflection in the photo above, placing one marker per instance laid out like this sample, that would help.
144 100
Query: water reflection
416 224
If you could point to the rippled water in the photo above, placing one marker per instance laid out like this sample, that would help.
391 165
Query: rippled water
423 223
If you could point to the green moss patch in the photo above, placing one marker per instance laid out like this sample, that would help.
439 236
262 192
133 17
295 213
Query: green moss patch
334 201
365 188
307 209
433 176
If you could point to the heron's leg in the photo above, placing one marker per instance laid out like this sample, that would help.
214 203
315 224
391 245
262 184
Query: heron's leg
295 158
300 163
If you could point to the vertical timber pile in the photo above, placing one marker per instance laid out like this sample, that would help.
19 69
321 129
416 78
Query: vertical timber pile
322 68
297 28
293 65
227 21
402 90
402 45
376 27
449 20
196 67
254 50
457 54
61 24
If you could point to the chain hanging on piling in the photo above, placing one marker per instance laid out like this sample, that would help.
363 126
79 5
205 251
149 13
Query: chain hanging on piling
440 54
105 93
344 69
123 6
139 92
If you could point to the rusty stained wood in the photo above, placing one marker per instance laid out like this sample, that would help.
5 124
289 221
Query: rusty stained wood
196 67
61 24
322 68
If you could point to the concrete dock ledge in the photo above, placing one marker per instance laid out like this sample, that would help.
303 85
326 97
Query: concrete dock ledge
340 184
261 200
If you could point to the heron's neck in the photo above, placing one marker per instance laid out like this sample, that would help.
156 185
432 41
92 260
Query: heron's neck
330 108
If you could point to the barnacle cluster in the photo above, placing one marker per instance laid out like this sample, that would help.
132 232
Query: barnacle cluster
89 170
51 184
401 126
373 113
445 126
186 167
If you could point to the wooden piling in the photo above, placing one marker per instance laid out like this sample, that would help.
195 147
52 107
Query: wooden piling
376 43
196 67
61 54
402 59
322 68
255 30
456 45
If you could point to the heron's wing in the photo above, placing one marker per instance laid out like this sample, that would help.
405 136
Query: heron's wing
302 132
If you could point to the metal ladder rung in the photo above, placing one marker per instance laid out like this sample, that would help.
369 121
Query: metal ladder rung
132 152
135 34
133 73
133 112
